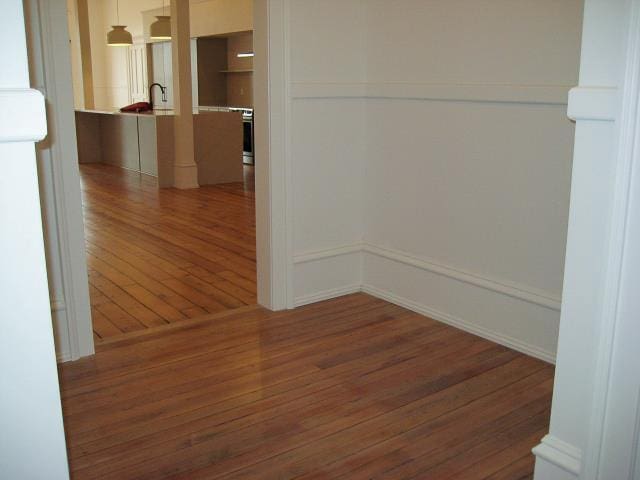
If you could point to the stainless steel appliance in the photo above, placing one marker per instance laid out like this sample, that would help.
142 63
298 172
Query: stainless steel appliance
248 148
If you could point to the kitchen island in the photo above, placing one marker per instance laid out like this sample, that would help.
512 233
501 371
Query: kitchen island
144 142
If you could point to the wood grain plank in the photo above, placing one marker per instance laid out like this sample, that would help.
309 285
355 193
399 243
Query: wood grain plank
154 254
352 388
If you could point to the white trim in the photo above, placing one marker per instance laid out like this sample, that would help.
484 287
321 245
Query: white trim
274 208
327 295
301 90
602 418
57 306
561 454
52 73
510 289
504 287
505 340
328 253
58 310
63 356
22 115
542 94
593 103
288 158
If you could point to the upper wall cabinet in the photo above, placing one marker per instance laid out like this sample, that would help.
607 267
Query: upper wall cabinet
138 73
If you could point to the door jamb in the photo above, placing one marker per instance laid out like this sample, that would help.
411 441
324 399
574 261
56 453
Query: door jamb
274 212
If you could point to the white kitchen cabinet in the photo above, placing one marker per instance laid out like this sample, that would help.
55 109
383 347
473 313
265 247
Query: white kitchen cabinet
138 73
163 72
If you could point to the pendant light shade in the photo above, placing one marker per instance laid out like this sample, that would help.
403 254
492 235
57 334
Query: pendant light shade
119 37
161 28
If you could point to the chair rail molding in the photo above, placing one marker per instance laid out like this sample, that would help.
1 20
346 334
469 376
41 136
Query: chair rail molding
593 103
22 115
483 93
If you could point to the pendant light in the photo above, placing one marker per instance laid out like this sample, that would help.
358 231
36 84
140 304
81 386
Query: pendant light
118 36
161 28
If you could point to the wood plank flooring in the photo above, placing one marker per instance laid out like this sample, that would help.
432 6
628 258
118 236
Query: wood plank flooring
159 256
351 388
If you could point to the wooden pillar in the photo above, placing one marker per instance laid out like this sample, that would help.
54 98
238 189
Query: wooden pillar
82 10
185 168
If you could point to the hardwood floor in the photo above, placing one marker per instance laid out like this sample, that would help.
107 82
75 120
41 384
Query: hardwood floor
159 256
351 388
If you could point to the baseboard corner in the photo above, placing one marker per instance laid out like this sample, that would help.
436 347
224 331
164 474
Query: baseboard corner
560 455
326 295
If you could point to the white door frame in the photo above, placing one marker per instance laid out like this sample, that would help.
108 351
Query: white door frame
50 62
32 442
615 416
608 448
274 237
274 204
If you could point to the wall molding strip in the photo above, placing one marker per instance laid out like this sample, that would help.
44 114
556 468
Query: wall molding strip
302 90
540 94
510 289
504 287
22 115
328 253
427 311
593 103
327 295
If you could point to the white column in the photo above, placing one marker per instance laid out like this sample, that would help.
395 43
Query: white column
32 443
569 451
185 168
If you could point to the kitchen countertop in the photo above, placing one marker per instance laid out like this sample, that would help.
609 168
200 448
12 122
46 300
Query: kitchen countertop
157 112
152 113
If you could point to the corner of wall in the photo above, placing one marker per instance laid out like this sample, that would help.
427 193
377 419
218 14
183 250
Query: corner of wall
326 274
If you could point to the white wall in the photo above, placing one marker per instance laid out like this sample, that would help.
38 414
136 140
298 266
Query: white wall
456 201
326 42
469 161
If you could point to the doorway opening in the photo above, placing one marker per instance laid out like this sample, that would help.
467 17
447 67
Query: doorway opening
155 255
160 256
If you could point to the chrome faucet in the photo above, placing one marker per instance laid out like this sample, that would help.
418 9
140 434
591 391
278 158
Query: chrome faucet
162 89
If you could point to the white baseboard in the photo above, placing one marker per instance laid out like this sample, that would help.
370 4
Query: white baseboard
496 337
557 460
519 318
327 295
62 357
60 331
506 313
325 274
520 292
